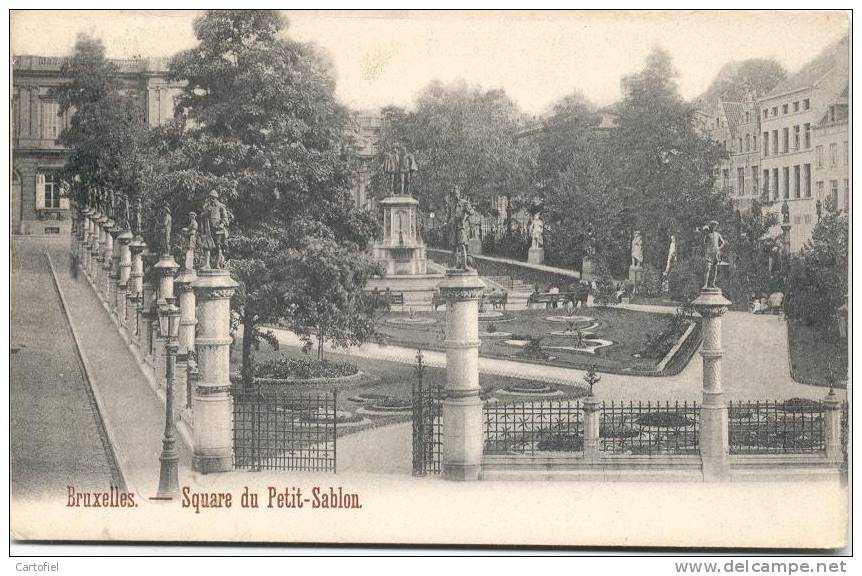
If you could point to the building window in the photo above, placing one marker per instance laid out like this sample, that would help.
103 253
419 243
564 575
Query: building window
765 144
807 135
806 172
754 142
775 141
775 183
818 156
739 149
796 106
806 104
784 109
50 120
740 181
785 140
748 117
725 178
774 111
833 195
48 189
748 142
846 153
765 113
766 183
833 154
796 134
786 177
755 185
797 182
807 219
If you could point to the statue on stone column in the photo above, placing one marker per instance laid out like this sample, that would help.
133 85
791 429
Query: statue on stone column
111 204
785 213
139 209
163 231
637 249
400 166
191 235
124 221
671 257
460 212
537 229
214 231
713 244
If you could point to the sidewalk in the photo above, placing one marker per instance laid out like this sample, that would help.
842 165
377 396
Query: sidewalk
134 415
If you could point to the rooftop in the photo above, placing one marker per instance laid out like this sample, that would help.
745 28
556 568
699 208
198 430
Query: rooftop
832 58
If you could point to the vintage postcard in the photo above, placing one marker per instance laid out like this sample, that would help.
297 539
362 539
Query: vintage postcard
458 278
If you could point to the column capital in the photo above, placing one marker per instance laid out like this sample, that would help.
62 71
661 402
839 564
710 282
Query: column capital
711 303
461 286
166 266
125 238
214 284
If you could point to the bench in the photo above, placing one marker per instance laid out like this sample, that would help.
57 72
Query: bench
497 300
554 300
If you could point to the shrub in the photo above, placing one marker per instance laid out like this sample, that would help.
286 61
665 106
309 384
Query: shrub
685 279
650 281
303 368
604 294
533 350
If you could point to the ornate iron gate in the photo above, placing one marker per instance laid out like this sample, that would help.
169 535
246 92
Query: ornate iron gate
276 430
427 423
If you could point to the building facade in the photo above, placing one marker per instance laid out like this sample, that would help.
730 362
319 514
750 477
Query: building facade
790 145
366 134
37 203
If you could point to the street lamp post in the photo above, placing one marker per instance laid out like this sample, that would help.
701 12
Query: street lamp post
169 326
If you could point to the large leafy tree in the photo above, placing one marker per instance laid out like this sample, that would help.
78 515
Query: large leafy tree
462 136
107 133
737 81
666 166
258 122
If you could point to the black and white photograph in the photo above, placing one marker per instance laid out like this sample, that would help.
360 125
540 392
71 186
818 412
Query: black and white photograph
431 278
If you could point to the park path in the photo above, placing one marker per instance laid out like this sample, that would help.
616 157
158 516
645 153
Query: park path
55 429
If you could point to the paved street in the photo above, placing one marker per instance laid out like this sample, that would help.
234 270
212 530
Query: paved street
55 436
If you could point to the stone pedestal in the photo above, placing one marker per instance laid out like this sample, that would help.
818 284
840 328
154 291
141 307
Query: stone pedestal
636 276
107 263
592 425
401 251
711 305
149 291
586 269
462 407
188 306
536 256
114 284
212 402
84 251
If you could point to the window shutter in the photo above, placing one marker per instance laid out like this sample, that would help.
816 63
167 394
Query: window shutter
40 191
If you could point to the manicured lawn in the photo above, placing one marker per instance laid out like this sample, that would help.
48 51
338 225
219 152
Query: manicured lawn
627 329
811 355
392 379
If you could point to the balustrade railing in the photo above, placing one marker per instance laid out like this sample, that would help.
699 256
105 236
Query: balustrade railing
764 427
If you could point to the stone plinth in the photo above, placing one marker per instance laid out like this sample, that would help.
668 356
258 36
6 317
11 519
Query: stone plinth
188 303
462 407
711 305
536 256
136 286
401 250
165 268
636 276
212 403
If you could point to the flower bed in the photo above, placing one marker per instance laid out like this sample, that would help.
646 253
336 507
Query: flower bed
287 368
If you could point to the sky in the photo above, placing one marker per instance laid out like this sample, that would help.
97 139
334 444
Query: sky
384 58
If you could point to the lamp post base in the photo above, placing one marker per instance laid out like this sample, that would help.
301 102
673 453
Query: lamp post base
169 484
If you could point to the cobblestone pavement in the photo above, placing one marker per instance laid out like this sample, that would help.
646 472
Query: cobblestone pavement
55 435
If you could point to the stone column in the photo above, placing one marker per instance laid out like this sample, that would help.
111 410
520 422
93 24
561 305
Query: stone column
136 288
188 323
114 282
107 262
165 269
592 425
711 305
148 289
125 273
212 402
84 250
462 408
832 427
98 257
93 238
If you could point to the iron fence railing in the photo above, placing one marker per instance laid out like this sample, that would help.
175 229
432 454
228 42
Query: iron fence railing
649 428
766 427
427 427
533 427
277 430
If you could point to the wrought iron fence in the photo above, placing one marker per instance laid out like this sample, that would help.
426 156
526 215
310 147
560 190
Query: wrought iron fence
649 428
533 427
427 427
278 430
792 427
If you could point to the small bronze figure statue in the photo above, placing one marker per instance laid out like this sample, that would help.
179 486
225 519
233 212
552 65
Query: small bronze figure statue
191 234
460 212
214 231
713 244
163 236
400 166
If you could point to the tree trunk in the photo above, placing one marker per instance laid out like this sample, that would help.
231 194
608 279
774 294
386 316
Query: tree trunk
319 347
247 353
